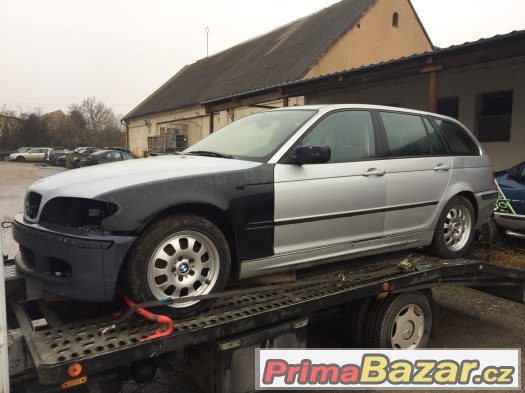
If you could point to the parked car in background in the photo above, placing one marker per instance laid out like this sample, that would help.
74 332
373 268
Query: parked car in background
275 191
37 154
509 212
4 154
105 156
122 149
76 156
57 155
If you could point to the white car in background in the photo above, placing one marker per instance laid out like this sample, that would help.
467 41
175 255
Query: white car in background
36 154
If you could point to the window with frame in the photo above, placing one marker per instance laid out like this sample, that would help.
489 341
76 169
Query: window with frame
349 134
494 116
459 142
114 155
395 19
406 135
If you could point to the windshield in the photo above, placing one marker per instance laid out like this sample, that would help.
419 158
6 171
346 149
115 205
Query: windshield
253 137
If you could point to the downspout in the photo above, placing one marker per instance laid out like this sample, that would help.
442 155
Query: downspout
125 124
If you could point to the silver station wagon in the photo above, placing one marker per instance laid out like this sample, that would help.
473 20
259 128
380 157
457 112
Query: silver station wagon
275 191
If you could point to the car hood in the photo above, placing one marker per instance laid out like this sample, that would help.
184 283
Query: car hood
93 181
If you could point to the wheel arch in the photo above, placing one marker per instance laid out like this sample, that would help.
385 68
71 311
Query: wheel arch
460 190
472 199
210 212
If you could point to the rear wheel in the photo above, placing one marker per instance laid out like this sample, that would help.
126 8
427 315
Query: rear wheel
401 322
20 159
178 256
455 229
355 322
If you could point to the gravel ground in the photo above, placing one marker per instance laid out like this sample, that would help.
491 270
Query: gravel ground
15 177
467 318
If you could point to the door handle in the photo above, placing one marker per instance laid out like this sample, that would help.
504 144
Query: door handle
441 167
374 172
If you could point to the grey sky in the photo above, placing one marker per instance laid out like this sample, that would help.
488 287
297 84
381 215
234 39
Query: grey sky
55 52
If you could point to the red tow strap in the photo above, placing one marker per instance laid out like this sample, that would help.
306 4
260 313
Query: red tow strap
161 319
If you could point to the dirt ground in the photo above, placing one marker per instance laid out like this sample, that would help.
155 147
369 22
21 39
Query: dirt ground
466 318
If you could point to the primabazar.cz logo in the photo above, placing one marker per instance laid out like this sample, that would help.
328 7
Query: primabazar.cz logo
400 369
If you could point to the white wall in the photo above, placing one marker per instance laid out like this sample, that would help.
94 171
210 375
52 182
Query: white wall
466 83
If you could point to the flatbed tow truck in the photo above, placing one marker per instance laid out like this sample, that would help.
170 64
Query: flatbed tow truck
62 345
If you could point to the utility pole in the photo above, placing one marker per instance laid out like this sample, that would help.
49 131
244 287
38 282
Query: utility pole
207 30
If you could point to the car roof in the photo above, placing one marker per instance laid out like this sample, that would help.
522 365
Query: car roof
331 107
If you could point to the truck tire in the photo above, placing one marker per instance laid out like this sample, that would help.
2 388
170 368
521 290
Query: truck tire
176 256
400 322
454 230
355 322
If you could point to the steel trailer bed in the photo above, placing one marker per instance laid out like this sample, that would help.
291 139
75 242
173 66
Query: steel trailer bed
65 339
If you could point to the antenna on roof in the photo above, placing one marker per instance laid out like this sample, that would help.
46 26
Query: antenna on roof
207 30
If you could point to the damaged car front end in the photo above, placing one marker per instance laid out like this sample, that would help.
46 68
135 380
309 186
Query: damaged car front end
63 245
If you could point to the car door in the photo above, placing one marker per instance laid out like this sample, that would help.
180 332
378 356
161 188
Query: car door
336 203
35 155
418 170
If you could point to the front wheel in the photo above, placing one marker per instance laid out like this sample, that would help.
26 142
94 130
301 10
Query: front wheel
20 159
175 257
455 229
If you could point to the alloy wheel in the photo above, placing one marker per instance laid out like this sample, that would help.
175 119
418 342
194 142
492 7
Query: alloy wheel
185 264
457 227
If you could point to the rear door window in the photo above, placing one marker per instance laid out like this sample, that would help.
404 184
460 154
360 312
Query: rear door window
406 135
459 142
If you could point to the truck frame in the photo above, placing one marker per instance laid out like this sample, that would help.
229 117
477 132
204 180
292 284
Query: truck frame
56 340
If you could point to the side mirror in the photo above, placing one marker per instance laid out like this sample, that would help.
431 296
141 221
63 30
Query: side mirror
312 154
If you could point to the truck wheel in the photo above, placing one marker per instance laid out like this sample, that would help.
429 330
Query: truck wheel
177 256
455 229
355 322
400 322
20 159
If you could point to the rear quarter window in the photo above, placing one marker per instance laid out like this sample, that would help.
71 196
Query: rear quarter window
459 142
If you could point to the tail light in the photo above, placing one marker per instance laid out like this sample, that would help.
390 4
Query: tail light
90 157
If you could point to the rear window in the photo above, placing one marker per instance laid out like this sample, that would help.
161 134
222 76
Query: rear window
458 140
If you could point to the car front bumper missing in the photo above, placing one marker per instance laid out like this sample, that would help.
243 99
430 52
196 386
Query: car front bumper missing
70 263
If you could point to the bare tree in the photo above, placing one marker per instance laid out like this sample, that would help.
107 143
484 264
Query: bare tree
90 123
10 126
95 113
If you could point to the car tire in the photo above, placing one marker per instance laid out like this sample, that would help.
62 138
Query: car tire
20 159
400 321
454 230
176 256
487 234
